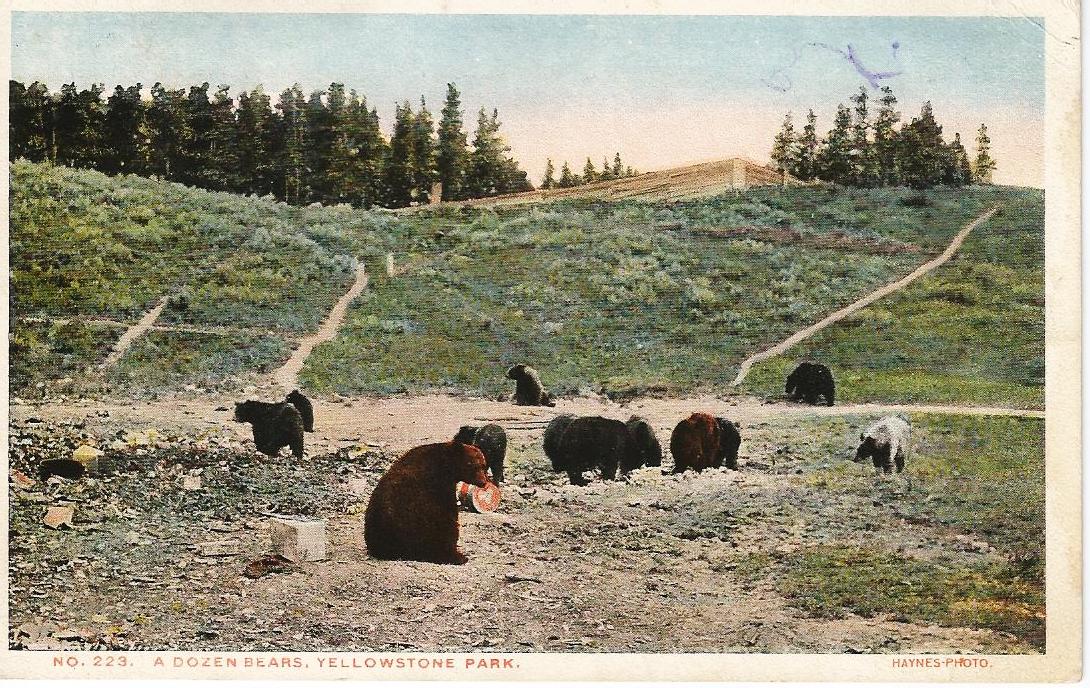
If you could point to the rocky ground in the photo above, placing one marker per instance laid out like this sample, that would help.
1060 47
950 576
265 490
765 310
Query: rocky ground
178 505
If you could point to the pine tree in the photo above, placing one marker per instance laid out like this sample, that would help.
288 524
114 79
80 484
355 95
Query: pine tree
223 141
885 139
834 162
567 179
618 168
806 159
371 152
255 130
863 154
785 146
547 181
490 171
922 158
958 171
589 175
125 131
340 155
425 168
983 165
453 153
30 124
320 133
80 116
169 129
194 159
292 140
399 159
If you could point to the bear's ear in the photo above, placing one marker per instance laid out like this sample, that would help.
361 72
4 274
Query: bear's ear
862 437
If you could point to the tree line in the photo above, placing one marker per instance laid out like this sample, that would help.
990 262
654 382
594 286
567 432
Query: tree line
865 151
326 147
616 170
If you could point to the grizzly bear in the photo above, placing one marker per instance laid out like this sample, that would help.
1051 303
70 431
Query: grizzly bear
306 409
491 439
413 512
275 426
809 381
886 443
528 389
704 441
647 450
594 442
551 440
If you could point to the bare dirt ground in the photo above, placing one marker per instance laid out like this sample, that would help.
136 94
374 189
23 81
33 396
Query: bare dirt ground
616 566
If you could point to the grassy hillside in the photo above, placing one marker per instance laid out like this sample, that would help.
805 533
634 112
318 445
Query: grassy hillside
973 331
626 297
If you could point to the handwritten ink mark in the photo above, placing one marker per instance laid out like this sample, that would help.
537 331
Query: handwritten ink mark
872 77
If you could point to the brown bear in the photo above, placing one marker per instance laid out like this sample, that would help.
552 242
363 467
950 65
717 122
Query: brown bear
528 388
275 426
704 441
413 512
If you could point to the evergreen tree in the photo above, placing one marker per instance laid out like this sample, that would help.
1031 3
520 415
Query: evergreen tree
293 141
453 153
79 120
169 128
425 167
491 172
983 165
589 175
547 181
125 132
194 159
923 155
320 134
255 132
371 153
885 139
618 168
223 143
958 172
785 146
834 161
30 123
399 160
865 171
607 171
567 179
806 157
341 171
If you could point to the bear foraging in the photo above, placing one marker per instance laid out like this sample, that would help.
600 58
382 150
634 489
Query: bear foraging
413 512
704 441
809 381
528 389
491 439
886 443
551 440
275 425
305 408
647 450
593 442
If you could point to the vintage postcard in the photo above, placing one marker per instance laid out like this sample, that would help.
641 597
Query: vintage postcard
481 340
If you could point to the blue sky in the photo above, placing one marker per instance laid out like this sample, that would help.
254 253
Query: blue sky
661 90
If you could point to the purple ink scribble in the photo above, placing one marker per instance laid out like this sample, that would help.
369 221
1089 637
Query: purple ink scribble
872 77
779 80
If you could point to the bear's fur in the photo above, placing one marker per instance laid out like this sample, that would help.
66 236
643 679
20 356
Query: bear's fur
305 408
413 513
809 381
491 439
528 388
704 441
593 442
647 450
276 425
551 440
886 443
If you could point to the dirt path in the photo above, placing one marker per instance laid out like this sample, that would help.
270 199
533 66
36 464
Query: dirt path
133 333
867 300
287 376
188 329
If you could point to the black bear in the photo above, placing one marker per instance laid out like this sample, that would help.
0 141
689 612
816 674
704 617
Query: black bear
809 381
886 443
491 439
647 450
729 442
528 389
594 442
551 440
276 425
306 409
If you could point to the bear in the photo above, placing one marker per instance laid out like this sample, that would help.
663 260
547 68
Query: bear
551 440
704 441
276 425
528 389
491 439
809 381
595 442
413 513
306 409
886 443
647 450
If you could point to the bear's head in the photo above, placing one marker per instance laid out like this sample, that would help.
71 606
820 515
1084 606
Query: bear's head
517 371
466 464
466 434
868 447
245 411
295 396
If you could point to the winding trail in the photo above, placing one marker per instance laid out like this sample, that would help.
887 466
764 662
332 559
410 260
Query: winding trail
867 300
287 375
133 333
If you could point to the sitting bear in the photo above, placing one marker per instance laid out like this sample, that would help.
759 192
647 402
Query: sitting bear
305 408
647 450
551 440
528 389
275 426
491 439
594 442
886 443
704 441
413 512
809 381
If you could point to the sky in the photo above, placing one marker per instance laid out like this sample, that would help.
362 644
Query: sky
660 90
